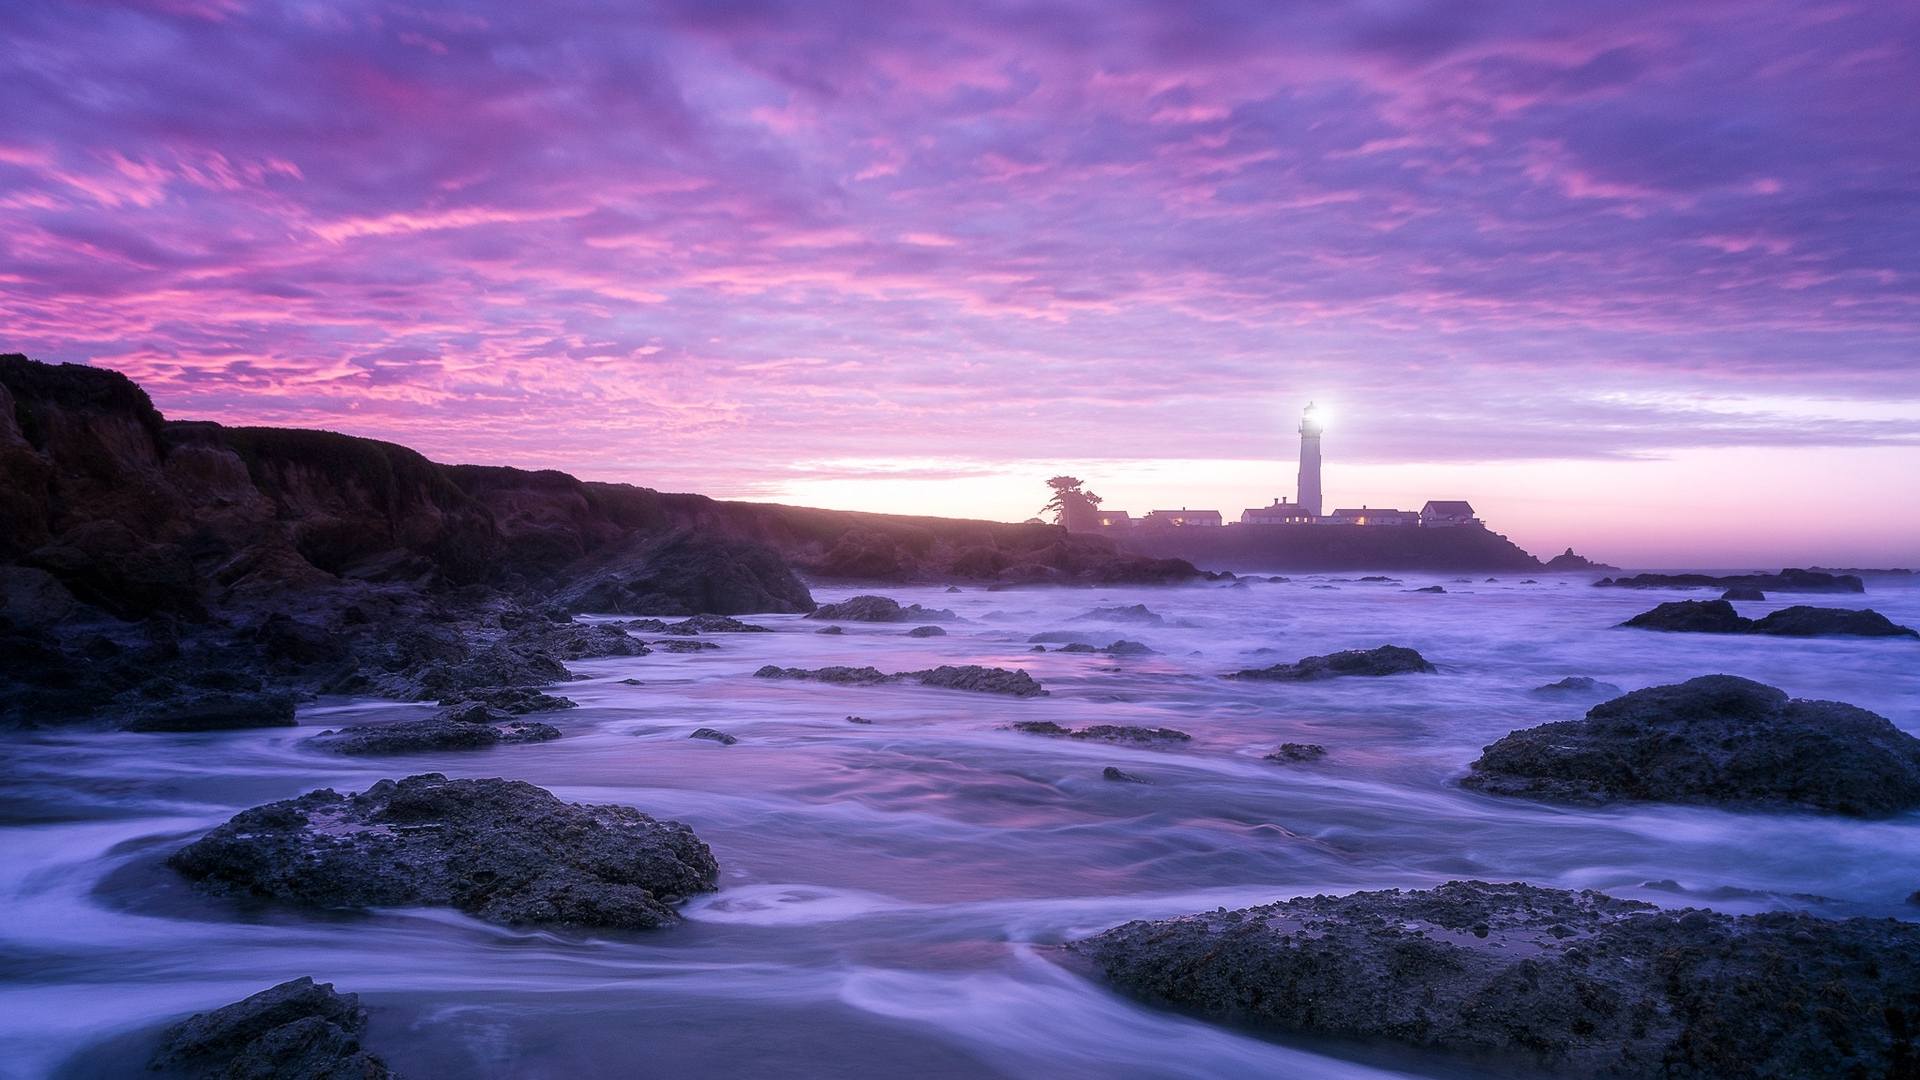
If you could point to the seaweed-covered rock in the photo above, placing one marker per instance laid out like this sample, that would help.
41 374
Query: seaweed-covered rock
518 700
1118 775
1298 751
871 608
472 726
500 850
1385 660
298 1030
841 674
1717 739
1692 616
1102 732
982 680
1577 984
713 624
684 645
714 735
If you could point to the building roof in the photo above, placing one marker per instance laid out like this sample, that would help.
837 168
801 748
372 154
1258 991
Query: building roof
1450 507
1188 513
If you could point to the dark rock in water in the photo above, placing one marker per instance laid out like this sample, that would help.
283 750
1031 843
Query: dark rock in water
1381 578
472 726
298 1030
1430 588
983 680
713 624
1574 984
953 588
831 630
880 609
684 645
1717 740
1789 580
215 712
1743 592
1133 613
1692 616
715 735
858 720
1071 637
518 700
1298 751
1038 648
1385 660
500 850
1719 617
1577 686
1803 621
1123 647
578 641
497 665
631 682
1077 647
1112 773
926 631
846 676
687 573
1102 732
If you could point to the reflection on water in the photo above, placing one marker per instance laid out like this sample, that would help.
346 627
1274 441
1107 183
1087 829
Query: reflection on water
889 889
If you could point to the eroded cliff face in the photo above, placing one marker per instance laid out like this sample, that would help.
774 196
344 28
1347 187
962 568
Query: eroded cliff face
140 558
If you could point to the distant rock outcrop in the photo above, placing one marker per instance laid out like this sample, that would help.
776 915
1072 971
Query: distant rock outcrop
1717 740
1788 580
500 850
880 609
1574 984
1567 562
1719 617
473 726
298 1030
1384 660
971 677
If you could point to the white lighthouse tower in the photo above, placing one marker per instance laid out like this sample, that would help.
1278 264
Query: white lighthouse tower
1310 429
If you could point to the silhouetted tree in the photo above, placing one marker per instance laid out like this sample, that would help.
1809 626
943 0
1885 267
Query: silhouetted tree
1070 505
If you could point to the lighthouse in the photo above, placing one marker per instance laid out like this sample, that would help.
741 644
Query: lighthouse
1310 429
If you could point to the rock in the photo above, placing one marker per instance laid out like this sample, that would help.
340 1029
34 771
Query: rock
713 624
1430 589
831 630
1380 578
880 609
518 700
926 631
684 645
845 676
953 588
689 572
1577 686
1133 613
1803 621
1296 751
1716 740
1071 637
1574 984
982 680
1719 617
1076 647
1743 592
297 1030
714 735
1788 580
472 726
33 599
1568 562
1385 660
1692 616
1112 773
500 850
1124 647
497 665
858 720
1102 732
214 711
576 641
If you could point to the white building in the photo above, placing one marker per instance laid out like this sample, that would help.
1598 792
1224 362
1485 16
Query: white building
1281 512
1183 518
1367 515
1447 513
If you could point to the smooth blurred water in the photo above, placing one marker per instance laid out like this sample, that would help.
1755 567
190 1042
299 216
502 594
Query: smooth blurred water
888 890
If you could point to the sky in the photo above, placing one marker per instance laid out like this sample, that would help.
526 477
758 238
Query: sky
1642 278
